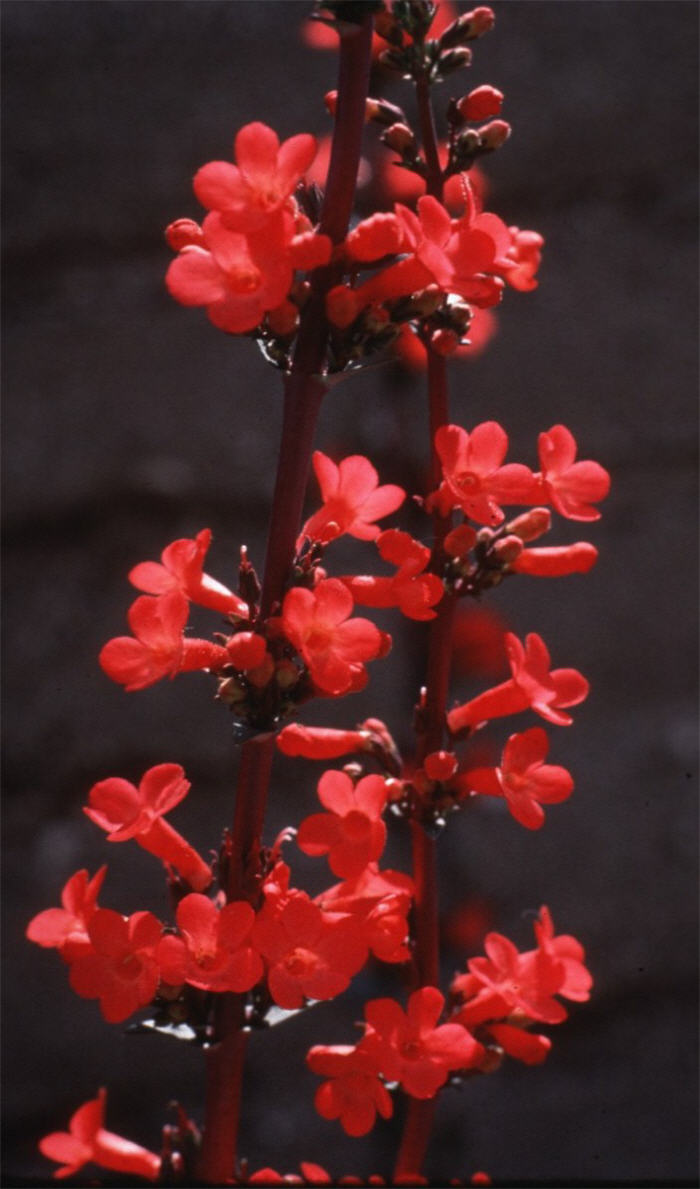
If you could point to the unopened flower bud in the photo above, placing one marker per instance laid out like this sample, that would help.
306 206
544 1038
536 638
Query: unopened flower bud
508 549
481 103
341 306
493 1059
467 27
184 233
387 27
459 541
286 675
400 138
493 135
382 112
531 524
284 320
455 59
261 674
427 301
231 691
440 765
444 342
330 102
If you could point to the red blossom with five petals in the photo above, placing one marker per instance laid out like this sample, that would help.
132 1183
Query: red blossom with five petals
126 812
379 901
352 499
352 833
261 182
523 778
308 955
121 968
213 950
410 589
158 647
353 1093
532 686
411 1048
87 1142
181 568
571 487
474 477
334 646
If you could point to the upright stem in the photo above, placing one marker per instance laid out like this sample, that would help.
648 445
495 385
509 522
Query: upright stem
426 957
304 390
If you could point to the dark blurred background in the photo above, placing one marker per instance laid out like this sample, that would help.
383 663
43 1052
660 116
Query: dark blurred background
130 421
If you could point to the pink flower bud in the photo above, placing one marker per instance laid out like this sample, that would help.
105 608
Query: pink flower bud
458 542
494 135
481 103
440 765
330 101
532 524
184 233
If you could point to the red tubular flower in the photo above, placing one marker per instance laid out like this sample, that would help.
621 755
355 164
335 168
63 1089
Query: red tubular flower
571 487
87 1141
351 498
474 478
556 561
125 812
353 1093
157 648
121 969
410 1048
352 833
249 193
214 950
66 928
532 686
523 778
412 591
307 955
333 646
319 743
180 568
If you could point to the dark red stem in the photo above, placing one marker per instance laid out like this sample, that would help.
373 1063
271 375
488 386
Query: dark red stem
304 390
426 957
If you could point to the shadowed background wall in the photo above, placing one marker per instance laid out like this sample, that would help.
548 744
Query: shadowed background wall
130 421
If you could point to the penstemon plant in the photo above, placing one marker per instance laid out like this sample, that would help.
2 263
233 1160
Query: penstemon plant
281 260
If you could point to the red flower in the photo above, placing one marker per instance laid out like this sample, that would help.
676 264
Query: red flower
125 812
121 969
180 568
66 929
333 646
525 252
532 686
260 184
308 955
379 901
353 1093
556 561
320 743
237 277
523 778
214 950
571 487
568 953
474 478
157 648
351 498
410 1048
88 1142
352 834
412 591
